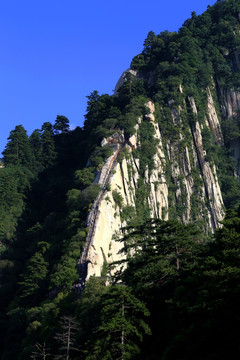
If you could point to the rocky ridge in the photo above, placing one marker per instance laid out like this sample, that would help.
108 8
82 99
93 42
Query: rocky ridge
124 177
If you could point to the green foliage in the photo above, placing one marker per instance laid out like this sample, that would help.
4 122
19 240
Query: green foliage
231 129
148 147
124 154
18 150
14 182
84 177
121 326
89 194
104 270
204 47
211 307
157 252
34 279
226 165
189 285
231 191
61 124
99 155
48 146
90 307
131 88
74 198
134 110
108 187
142 205
121 157
167 127
118 199
98 107
128 214
64 273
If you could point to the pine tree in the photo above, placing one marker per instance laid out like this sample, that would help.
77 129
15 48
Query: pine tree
48 145
61 124
122 326
36 143
158 252
35 275
18 150
14 182
205 303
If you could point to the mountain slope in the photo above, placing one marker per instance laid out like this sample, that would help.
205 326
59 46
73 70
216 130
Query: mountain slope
165 146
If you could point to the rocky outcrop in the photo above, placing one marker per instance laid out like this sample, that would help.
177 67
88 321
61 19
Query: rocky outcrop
123 178
122 79
213 120
103 246
230 100
158 197
212 190
230 108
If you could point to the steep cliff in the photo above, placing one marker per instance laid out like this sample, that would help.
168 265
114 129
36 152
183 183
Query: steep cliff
165 145
193 183
180 154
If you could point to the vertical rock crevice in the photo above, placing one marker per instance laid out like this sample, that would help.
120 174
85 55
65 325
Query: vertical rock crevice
181 161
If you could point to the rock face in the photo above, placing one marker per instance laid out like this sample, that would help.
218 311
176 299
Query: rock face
191 192
230 100
211 189
122 79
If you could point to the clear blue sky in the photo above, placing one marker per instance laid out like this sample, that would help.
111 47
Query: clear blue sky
53 53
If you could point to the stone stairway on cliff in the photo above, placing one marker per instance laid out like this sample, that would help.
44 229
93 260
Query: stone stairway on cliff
82 264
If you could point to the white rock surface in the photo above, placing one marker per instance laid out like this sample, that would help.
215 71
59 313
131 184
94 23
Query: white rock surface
125 177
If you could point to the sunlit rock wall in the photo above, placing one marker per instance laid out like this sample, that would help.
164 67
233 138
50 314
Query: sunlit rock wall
182 161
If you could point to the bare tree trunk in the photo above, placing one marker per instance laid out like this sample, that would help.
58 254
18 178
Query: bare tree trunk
66 336
41 351
68 339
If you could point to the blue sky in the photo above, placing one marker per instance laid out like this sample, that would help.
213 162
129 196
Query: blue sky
53 53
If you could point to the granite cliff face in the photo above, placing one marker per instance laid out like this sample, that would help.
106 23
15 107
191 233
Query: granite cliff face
183 182
182 161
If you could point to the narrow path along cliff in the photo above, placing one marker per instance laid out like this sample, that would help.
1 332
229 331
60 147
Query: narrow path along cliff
191 187
94 213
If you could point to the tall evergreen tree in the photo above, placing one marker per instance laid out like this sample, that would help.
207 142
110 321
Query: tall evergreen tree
157 252
36 143
48 145
33 284
122 326
18 150
61 124
11 201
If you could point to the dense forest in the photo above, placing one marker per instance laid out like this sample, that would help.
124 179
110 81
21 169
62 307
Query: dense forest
175 293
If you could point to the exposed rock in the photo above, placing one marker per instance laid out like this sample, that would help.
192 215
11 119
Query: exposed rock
230 102
103 246
158 197
213 120
122 79
210 180
124 179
